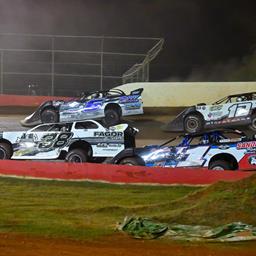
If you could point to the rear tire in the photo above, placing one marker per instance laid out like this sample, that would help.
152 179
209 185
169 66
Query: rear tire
49 116
193 123
253 123
133 161
76 156
220 165
112 117
5 151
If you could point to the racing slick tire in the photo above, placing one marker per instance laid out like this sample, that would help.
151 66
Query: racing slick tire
220 165
76 156
133 161
193 123
253 122
5 151
112 117
49 115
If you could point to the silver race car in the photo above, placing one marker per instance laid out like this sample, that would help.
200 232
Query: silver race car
234 111
73 141
110 105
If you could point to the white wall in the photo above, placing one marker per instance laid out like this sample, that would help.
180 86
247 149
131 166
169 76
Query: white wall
179 94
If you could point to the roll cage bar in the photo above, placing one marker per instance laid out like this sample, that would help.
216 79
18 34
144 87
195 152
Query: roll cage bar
227 99
211 137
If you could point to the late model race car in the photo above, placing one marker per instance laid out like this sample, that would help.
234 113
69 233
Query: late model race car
108 105
82 141
216 150
233 111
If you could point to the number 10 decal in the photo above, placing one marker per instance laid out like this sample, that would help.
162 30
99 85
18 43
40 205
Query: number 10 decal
240 109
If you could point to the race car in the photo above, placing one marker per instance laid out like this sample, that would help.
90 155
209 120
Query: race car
234 111
108 105
82 141
216 150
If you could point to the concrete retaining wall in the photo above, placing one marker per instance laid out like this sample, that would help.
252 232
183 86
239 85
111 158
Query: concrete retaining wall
179 94
117 173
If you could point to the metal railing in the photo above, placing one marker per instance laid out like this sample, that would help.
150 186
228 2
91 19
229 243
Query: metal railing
68 65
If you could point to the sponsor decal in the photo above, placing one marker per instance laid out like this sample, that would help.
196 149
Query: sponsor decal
102 145
228 120
215 114
223 146
200 107
108 134
215 108
252 160
245 145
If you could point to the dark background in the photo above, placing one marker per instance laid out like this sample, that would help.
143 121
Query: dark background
204 40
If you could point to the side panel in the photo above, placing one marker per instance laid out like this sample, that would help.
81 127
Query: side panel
104 142
40 145
227 114
176 156
131 105
75 110
231 149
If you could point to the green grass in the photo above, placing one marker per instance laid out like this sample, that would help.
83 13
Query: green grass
221 203
83 210
75 209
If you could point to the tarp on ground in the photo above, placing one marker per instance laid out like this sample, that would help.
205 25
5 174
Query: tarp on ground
144 228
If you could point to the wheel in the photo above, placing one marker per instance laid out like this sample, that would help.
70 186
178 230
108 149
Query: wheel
131 161
5 151
193 123
253 123
49 116
76 156
220 165
112 117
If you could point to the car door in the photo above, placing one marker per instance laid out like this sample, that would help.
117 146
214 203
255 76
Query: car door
104 142
192 154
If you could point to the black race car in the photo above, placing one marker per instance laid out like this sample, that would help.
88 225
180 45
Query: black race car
232 111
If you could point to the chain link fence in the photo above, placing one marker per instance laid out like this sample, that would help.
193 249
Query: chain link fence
38 64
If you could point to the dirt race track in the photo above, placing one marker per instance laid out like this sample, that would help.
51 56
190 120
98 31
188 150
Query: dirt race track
14 245
149 126
118 244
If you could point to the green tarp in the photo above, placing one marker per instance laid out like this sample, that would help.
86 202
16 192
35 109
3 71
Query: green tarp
144 228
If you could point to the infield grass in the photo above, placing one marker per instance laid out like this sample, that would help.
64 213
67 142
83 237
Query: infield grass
83 210
75 209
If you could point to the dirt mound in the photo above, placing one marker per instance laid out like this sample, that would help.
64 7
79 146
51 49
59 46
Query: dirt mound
221 203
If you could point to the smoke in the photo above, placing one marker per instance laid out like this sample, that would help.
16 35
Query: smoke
235 69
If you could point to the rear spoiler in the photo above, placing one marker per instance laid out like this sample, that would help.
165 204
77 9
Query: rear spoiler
137 91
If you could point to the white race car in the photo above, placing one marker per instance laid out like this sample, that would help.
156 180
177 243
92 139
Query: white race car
73 141
234 111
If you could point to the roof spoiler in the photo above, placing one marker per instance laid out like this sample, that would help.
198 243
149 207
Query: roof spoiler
137 91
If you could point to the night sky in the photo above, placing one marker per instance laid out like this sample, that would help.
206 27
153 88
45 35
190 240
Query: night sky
201 37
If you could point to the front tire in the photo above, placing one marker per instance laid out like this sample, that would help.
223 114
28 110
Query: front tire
193 123
220 165
132 161
5 151
76 156
49 116
253 123
112 117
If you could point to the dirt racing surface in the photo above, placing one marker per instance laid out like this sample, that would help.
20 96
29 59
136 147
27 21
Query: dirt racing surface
14 245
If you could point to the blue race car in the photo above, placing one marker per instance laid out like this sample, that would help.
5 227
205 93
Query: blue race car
217 150
110 105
